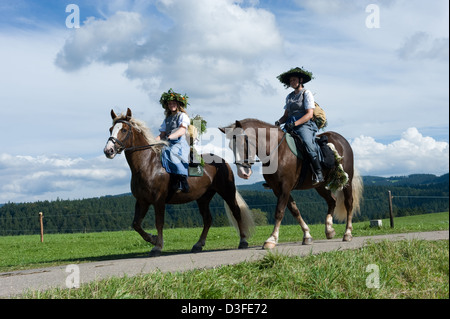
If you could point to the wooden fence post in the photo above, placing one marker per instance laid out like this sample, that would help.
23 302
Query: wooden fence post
391 213
41 217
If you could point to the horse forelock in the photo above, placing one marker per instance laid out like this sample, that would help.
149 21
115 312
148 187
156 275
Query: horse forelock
141 127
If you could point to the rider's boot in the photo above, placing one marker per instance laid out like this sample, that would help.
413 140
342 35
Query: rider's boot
184 186
317 171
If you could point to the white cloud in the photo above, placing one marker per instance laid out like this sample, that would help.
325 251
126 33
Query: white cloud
108 41
413 153
218 43
28 178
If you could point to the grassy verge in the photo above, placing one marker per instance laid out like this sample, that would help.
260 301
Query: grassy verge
25 252
405 269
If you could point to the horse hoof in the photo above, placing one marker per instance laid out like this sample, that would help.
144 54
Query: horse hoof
155 253
243 245
331 234
196 249
307 241
269 245
347 238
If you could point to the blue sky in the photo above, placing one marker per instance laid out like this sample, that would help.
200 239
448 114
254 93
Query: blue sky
384 88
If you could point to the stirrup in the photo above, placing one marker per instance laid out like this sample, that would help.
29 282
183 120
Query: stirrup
317 178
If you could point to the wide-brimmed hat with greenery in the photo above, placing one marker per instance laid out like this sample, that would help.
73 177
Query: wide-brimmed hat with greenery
173 96
298 72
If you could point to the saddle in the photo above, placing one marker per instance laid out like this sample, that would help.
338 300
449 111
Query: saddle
297 147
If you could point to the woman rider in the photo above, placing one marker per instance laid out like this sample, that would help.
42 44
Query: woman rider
175 157
298 115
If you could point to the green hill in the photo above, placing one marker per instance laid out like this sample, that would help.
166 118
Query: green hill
414 194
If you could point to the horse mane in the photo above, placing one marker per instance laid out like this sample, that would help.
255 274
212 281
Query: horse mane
142 128
258 123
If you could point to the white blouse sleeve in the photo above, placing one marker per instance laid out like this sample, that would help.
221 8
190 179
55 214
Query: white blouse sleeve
308 100
185 121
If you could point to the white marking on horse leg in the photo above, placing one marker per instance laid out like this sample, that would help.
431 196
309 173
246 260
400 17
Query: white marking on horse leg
329 230
348 231
272 241
307 238
296 213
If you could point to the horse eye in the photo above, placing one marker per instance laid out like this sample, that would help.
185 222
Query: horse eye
124 130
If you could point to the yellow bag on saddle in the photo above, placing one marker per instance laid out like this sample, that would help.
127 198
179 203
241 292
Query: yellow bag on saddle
319 116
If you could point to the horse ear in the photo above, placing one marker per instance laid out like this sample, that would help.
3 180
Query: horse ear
222 129
238 124
113 115
128 114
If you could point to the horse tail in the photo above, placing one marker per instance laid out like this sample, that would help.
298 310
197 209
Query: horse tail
247 222
340 212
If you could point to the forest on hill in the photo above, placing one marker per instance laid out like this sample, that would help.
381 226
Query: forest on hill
412 195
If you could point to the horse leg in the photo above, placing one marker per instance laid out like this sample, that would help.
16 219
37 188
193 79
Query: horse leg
160 209
282 201
348 202
140 210
331 202
292 206
203 205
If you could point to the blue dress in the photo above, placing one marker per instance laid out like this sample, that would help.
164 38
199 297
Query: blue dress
175 156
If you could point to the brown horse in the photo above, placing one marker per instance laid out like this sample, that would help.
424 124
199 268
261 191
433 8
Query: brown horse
282 169
150 183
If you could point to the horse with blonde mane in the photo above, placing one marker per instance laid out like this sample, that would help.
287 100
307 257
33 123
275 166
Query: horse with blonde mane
150 183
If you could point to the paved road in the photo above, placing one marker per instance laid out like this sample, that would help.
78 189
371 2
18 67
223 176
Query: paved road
16 282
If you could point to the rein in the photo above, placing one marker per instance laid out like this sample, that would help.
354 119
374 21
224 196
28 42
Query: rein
246 162
122 147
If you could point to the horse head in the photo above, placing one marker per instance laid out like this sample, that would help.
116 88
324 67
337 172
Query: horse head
120 134
240 145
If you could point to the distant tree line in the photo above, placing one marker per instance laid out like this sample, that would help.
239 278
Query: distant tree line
111 213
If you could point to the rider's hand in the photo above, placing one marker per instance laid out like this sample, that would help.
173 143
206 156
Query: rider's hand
289 127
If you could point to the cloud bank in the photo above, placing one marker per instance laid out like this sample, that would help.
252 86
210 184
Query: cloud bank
28 178
50 177
413 153
204 47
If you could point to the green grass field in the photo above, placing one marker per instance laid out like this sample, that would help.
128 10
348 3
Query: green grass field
405 269
25 252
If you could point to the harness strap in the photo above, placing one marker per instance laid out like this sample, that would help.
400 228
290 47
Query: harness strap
129 149
246 162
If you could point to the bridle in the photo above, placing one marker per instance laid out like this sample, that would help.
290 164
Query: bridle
122 147
246 162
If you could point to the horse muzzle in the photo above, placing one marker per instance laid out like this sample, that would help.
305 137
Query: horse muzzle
244 171
110 152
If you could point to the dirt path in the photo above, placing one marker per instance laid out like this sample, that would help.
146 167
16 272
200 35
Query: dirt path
16 282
